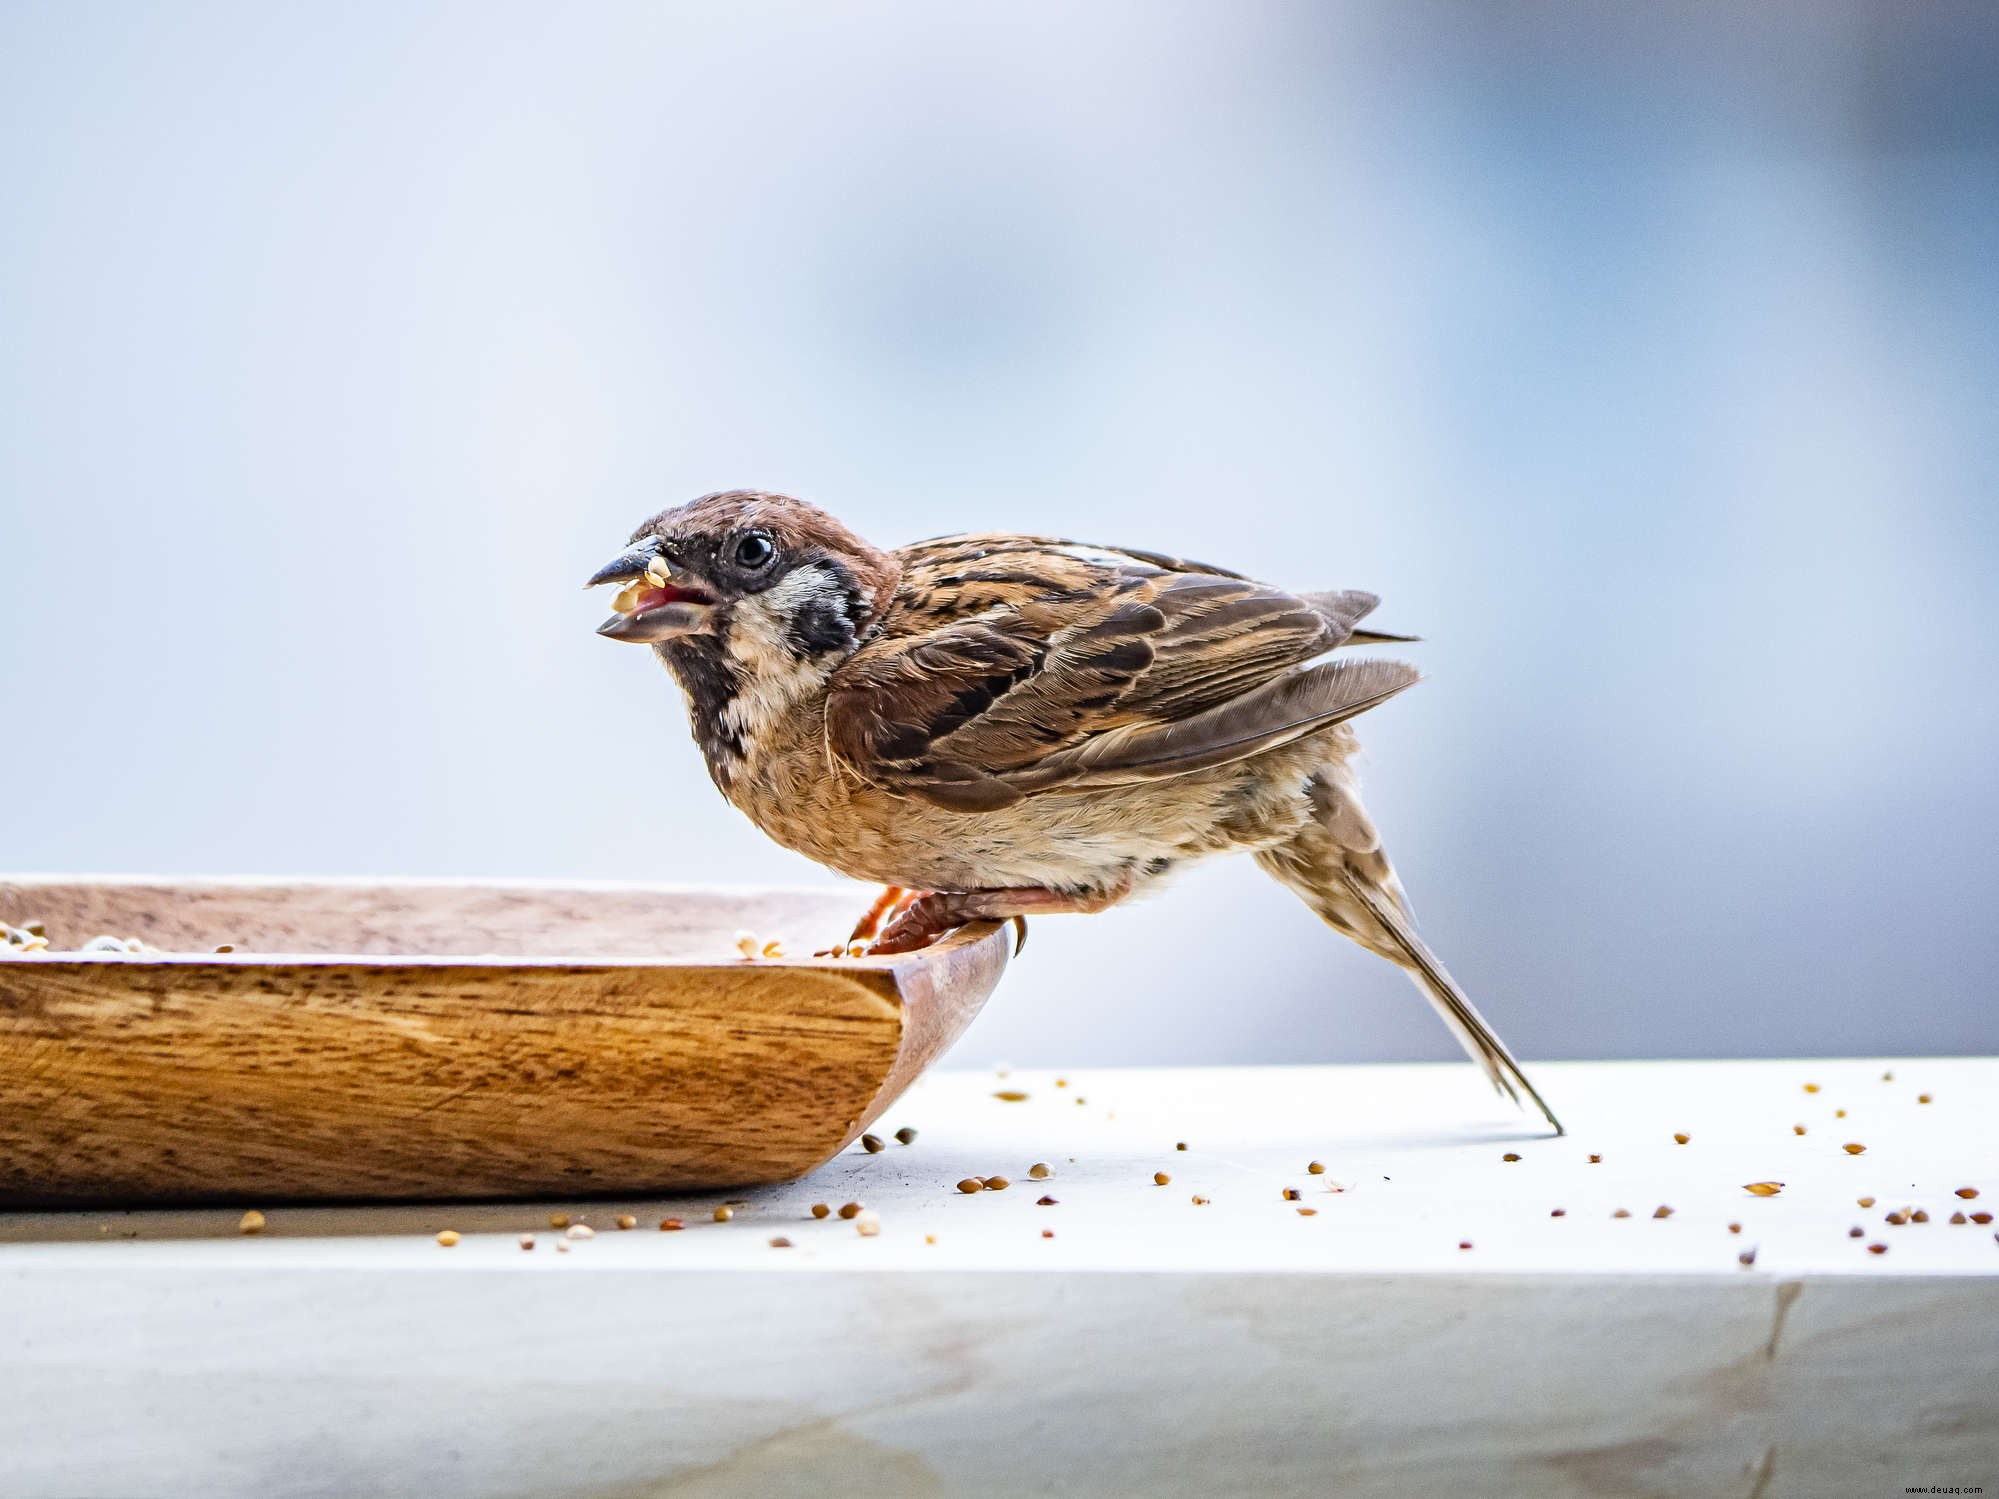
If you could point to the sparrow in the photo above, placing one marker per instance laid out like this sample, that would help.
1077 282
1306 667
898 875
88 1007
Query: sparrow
994 726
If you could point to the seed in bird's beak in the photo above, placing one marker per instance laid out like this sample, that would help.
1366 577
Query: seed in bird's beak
657 573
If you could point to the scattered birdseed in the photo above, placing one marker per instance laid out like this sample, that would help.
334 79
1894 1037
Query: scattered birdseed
1681 1139
1200 1202
969 1184
1887 1077
1957 1218
1981 1217
1922 1098
1877 1248
1161 1179
670 1225
1559 1213
1898 1218
1866 1202
1797 1129
1179 1144
1047 1233
1967 1193
1080 1100
905 1136
562 1246
868 1225
1735 1228
447 1237
1662 1211
1039 1171
1464 1243
724 1213
930 1238
1596 1160
1316 1168
527 1241
773 950
780 1242
1763 1189
853 1209
872 1144
1061 1082
820 1210
251 1222
1510 1156
1621 1213
1856 1232
1014 1095
1290 1194
1308 1212
1045 1202
1854 1149
1839 1113
225 947
1919 1216
747 945
1811 1087
626 1220
558 1220
1746 1258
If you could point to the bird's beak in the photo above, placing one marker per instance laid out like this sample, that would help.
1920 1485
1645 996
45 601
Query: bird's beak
656 602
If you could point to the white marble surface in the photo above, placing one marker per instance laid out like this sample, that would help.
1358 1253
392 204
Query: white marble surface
1244 1348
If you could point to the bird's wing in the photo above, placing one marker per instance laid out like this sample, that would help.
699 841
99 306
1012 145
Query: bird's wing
1012 665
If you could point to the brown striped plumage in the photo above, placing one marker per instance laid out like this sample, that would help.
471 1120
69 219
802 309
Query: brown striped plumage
1019 724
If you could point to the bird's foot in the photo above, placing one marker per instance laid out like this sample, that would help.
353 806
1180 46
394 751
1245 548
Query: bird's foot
889 904
929 917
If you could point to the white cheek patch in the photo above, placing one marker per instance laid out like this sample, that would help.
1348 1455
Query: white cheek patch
773 677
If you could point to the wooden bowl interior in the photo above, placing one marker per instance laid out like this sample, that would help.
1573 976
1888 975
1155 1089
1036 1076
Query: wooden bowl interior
660 925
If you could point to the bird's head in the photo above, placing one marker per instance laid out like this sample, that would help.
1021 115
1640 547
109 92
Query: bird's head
762 580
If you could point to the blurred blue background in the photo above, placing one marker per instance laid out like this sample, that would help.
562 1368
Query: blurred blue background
1643 358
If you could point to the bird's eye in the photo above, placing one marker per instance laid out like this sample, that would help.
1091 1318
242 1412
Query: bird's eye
754 550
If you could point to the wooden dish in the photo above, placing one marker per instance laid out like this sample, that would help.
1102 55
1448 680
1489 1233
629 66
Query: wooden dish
436 1041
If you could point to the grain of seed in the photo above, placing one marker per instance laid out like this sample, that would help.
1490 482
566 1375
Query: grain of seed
562 1246
1957 1218
724 1213
1967 1193
930 1238
1510 1156
1856 1232
872 1144
527 1241
251 1222
1866 1202
747 944
1080 1100
1464 1243
868 1225
447 1237
905 1136
1596 1160
1763 1189
820 1210
1811 1087
1045 1202
1662 1211
1919 1216
1897 1218
853 1209
1981 1217
1014 1095
1681 1139
1180 1145
773 949
1797 1129
1161 1179
1839 1113
1559 1213
626 1220
1877 1248
1735 1228
1200 1202
1887 1077
1854 1149
558 1220
1290 1194
1047 1233
780 1242
1746 1258
670 1225
1922 1098
1039 1171
969 1184
997 1184
1621 1213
